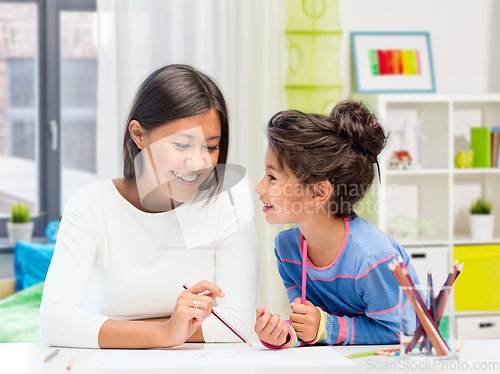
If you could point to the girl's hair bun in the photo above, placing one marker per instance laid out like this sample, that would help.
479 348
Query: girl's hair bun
341 149
356 124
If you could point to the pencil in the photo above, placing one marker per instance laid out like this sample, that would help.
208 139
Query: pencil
380 352
397 353
455 269
390 353
431 305
70 364
426 321
363 354
228 325
419 307
304 272
51 356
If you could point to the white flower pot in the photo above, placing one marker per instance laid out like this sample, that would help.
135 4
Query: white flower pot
481 226
19 231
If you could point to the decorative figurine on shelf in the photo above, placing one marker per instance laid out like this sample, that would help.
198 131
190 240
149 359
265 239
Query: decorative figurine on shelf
410 136
400 160
464 159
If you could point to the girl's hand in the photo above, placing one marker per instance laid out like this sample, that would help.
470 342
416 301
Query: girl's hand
186 317
305 320
270 328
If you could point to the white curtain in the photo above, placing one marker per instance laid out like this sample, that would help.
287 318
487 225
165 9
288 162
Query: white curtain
239 43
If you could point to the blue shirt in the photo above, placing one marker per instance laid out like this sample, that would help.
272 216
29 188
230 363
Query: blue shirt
357 291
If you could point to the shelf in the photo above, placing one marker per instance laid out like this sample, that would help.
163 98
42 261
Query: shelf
477 171
439 98
437 195
442 171
462 239
472 313
5 247
422 243
416 172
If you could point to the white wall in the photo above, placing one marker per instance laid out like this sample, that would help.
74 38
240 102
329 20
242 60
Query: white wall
465 37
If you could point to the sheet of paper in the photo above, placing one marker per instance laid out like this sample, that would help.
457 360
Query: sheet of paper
205 358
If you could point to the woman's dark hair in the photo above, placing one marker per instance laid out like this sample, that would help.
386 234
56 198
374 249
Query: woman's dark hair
342 149
170 93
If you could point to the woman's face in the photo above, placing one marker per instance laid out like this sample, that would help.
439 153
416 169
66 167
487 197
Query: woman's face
183 153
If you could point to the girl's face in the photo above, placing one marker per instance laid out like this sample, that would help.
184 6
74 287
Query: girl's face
183 153
285 198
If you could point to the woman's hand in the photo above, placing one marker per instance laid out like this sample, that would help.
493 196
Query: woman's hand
270 328
189 312
305 320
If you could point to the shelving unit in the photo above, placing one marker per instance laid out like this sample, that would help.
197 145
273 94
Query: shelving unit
436 192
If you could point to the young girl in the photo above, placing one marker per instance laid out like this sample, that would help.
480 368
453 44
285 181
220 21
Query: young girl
317 168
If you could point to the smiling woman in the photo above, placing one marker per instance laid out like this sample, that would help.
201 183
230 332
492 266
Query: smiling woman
177 158
126 246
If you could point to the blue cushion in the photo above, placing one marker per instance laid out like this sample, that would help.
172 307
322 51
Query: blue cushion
31 263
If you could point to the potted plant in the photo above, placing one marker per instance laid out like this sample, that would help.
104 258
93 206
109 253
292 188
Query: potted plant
481 220
20 225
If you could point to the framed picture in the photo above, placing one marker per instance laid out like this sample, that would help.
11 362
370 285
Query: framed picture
392 62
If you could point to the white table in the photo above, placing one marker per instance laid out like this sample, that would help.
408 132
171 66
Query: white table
28 358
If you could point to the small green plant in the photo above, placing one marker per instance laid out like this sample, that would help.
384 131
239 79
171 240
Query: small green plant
20 213
480 206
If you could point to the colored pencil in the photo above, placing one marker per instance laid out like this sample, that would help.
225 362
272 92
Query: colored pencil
449 281
362 354
425 319
420 309
418 333
51 356
227 324
371 353
70 364
431 305
390 353
409 283
432 298
429 298
304 272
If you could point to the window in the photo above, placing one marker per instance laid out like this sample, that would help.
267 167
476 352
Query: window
48 101
18 106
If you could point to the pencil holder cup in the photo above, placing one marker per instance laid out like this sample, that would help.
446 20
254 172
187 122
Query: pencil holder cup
427 322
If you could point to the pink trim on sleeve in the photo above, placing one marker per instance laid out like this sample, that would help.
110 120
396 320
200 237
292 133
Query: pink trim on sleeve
384 311
375 265
342 330
352 323
331 280
291 343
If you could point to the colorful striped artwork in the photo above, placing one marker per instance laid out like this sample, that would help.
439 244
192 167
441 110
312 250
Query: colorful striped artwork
394 62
